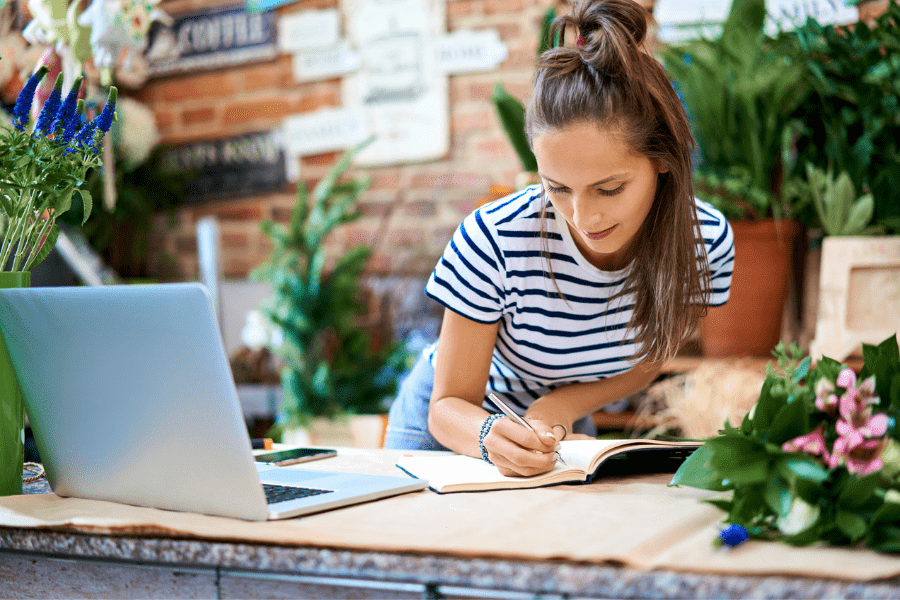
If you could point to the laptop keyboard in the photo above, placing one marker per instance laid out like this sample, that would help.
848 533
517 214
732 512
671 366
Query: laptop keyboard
283 493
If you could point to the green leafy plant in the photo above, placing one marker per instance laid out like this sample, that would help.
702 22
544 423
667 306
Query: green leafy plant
41 170
849 119
740 90
511 111
817 458
839 209
330 367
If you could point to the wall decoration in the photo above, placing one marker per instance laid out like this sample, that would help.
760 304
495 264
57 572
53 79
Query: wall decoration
210 40
467 51
404 99
325 130
326 63
238 166
308 29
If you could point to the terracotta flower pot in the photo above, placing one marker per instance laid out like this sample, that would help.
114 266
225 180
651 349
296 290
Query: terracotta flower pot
749 324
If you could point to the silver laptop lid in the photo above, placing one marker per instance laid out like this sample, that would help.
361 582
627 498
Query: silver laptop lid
130 396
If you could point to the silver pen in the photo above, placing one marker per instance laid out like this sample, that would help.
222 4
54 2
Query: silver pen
512 415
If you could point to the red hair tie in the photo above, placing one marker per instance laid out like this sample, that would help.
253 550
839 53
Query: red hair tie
580 41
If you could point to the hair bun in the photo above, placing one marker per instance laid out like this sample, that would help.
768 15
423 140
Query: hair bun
610 33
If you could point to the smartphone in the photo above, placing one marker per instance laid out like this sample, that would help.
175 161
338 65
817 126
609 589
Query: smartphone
294 455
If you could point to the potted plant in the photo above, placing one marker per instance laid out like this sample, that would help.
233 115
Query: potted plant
859 274
740 91
847 125
331 368
42 166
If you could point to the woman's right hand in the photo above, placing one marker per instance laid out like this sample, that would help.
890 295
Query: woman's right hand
518 451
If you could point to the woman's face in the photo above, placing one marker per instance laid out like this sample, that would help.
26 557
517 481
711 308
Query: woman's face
603 190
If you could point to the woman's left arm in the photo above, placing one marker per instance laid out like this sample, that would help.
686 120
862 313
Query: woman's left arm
567 404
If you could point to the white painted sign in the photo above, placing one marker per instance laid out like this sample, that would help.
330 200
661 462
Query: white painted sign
325 130
467 51
404 98
309 29
325 63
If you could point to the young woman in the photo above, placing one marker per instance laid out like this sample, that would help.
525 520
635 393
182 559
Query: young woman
568 295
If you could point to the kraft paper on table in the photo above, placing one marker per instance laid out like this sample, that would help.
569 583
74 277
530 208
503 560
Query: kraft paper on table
635 521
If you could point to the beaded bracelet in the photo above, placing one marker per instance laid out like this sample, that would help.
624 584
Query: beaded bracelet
485 428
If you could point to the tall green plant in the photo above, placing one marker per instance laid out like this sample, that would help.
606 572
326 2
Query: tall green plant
850 118
740 90
330 365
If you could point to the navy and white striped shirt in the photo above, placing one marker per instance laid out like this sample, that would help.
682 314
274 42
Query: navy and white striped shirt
493 270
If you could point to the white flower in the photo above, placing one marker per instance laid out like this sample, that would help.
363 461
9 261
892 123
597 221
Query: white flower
136 134
257 331
801 516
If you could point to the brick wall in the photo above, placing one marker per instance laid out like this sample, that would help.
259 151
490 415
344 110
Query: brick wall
410 211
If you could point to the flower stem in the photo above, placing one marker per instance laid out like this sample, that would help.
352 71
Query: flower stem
15 231
24 230
36 248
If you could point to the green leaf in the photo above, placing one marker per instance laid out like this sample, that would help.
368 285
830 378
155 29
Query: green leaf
791 466
743 459
512 117
697 471
850 524
777 494
45 247
790 422
87 202
767 406
859 490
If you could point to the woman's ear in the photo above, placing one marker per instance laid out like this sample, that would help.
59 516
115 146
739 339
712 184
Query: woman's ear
661 167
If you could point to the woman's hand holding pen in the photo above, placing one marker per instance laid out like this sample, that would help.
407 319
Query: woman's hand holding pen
519 451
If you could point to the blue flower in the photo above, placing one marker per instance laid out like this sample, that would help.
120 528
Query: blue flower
105 118
51 106
26 97
734 535
66 116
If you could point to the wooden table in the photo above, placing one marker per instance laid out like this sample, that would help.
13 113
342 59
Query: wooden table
64 563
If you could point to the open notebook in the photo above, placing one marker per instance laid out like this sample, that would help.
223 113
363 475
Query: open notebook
585 461
130 397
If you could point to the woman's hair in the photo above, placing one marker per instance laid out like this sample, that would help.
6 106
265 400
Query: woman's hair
608 79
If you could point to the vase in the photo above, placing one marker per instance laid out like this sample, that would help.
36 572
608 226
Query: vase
749 324
12 407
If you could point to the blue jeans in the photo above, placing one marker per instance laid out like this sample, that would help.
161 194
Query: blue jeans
407 427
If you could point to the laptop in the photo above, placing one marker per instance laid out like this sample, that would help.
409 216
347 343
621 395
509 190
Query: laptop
130 398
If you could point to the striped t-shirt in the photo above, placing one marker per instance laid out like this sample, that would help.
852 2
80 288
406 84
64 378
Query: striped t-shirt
493 270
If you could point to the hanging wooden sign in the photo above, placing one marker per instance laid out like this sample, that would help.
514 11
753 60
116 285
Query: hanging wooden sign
211 40
233 167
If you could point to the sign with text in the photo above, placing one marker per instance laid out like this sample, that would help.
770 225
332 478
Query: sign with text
308 29
243 165
211 40
325 130
467 51
405 99
325 63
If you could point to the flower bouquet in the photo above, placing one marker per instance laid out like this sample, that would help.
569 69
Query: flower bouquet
41 170
817 458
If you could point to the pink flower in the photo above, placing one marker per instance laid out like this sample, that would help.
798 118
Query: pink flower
826 400
813 443
866 458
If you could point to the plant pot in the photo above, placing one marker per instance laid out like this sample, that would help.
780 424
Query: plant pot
12 407
858 294
749 324
354 431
